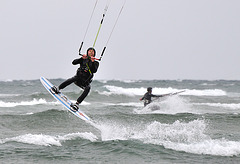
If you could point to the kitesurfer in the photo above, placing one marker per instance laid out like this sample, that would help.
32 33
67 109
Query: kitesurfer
148 96
83 77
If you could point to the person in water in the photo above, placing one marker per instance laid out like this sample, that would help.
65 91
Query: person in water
148 96
83 77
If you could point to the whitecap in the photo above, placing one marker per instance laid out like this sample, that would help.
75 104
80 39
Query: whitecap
35 139
134 104
23 103
9 95
222 105
190 137
48 140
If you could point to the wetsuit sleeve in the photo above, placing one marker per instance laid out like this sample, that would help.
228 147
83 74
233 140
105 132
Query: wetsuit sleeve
156 95
77 61
159 95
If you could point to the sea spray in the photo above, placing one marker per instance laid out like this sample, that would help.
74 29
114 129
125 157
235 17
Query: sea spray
169 105
190 137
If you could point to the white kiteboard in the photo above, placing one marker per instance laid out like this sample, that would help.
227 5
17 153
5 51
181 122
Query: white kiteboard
63 99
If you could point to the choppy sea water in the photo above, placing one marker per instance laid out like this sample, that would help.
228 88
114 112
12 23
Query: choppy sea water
200 125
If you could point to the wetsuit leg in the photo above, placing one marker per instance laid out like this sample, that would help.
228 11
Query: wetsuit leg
67 82
84 94
145 104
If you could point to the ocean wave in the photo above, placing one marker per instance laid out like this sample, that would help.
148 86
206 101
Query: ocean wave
218 147
189 137
48 140
34 102
114 90
177 132
206 92
208 84
7 80
119 80
221 105
134 104
25 103
129 81
101 81
9 95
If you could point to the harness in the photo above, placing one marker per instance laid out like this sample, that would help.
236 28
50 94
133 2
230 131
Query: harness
83 71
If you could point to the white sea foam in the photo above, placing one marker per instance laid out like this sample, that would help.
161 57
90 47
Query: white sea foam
48 140
216 147
208 84
7 80
83 103
129 81
189 137
23 103
9 95
102 81
221 105
114 90
114 131
86 135
155 132
36 139
134 104
30 113
34 102
206 92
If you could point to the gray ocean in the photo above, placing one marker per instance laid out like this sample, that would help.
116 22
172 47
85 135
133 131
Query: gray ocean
200 125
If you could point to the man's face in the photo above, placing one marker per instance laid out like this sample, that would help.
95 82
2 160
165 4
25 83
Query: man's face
91 53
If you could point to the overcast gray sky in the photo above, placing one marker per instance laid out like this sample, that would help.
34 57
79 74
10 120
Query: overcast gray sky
154 39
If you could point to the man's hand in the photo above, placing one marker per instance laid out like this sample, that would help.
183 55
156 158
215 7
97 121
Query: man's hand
93 59
84 56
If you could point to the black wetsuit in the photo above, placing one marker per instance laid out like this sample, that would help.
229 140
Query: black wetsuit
148 98
83 77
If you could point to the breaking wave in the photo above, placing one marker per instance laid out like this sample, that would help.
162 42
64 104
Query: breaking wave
48 140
